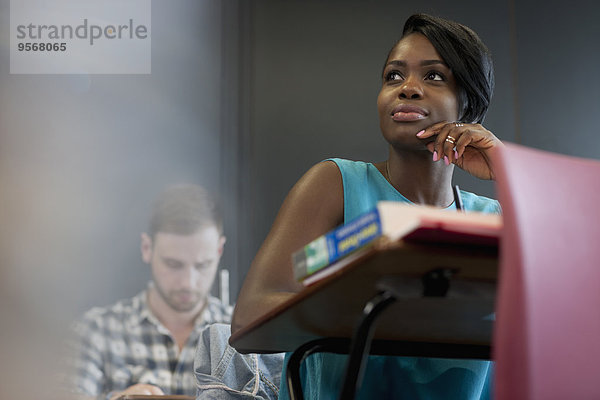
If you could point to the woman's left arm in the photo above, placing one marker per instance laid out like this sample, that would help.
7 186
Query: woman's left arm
468 146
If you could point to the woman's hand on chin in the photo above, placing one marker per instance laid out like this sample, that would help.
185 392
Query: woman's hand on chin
468 146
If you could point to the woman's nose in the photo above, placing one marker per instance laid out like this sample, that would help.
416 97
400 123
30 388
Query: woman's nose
411 89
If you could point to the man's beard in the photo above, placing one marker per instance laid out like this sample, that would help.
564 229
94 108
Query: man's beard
180 300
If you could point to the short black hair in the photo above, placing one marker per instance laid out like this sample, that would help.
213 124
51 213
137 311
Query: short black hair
466 55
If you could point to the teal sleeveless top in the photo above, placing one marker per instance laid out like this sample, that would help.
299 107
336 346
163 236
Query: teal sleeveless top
393 377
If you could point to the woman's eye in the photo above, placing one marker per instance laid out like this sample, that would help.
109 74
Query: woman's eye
434 76
393 76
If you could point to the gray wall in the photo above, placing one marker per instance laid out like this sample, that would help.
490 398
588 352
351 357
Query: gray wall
558 88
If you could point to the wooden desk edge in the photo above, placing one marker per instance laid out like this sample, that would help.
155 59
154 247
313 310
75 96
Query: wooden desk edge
368 252
305 292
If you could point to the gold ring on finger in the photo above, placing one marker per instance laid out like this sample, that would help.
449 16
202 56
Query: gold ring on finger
450 139
458 124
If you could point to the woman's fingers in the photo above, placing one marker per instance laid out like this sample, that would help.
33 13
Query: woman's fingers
452 139
446 136
465 145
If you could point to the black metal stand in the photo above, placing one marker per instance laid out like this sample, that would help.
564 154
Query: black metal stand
358 348
329 345
435 284
361 344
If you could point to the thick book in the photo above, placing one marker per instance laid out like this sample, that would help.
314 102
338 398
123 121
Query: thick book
395 221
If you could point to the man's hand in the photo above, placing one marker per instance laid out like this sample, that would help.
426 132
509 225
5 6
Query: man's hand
139 388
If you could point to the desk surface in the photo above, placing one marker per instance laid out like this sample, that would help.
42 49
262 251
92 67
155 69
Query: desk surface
460 322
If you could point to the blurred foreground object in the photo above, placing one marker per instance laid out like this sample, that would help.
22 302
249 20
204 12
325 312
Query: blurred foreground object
546 333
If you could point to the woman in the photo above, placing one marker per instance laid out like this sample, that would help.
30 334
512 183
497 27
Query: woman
436 86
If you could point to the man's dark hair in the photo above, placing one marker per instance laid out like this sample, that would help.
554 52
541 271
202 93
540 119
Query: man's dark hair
183 210
466 55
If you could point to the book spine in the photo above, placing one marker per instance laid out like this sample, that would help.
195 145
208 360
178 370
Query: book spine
336 244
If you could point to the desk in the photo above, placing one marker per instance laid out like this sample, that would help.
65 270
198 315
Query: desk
458 325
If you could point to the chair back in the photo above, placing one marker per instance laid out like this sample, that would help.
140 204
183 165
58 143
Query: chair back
547 331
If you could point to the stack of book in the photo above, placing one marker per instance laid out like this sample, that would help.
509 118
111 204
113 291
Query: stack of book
392 221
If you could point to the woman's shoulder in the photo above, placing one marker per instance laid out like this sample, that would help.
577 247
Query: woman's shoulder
345 164
351 169
320 186
322 172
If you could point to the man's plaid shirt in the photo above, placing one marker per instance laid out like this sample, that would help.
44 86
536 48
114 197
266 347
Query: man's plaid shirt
125 344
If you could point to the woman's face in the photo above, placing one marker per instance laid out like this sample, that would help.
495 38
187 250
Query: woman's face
418 90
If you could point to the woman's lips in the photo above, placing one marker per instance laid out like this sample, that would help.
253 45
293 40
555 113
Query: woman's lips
407 116
404 113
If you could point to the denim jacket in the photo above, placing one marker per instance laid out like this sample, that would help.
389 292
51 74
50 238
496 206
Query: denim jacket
224 374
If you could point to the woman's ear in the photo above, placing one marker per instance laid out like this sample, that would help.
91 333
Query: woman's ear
146 248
